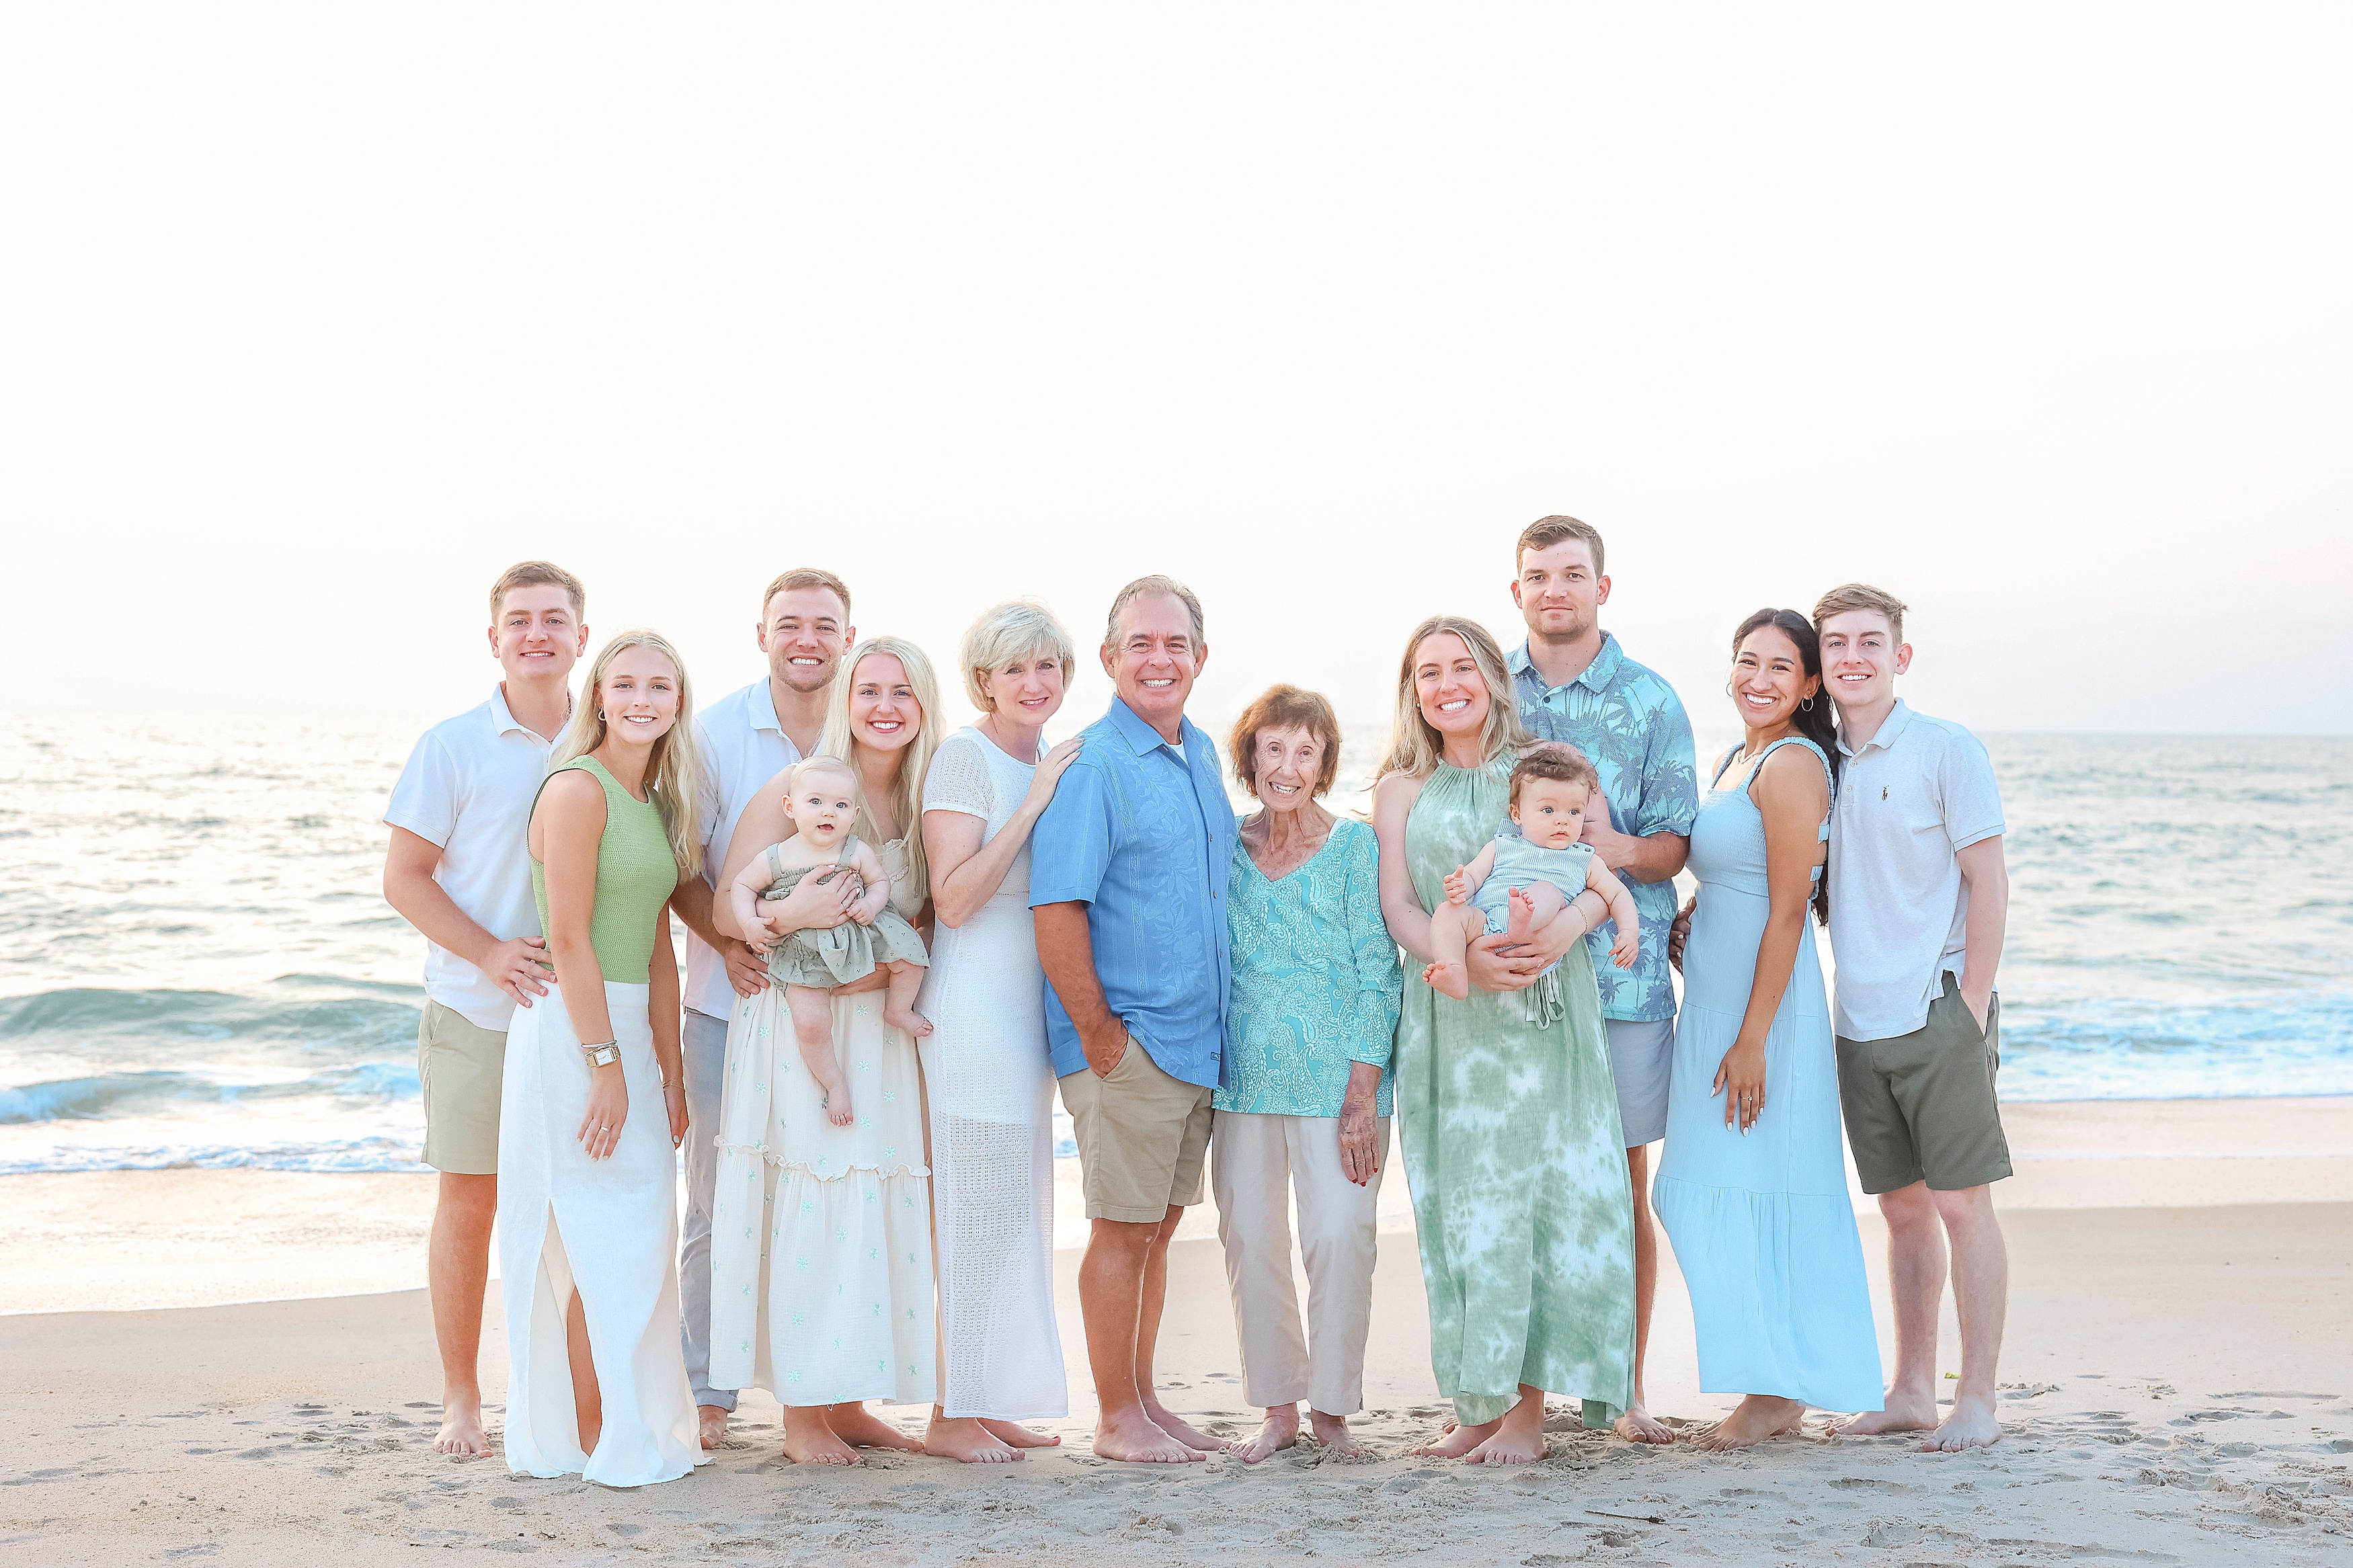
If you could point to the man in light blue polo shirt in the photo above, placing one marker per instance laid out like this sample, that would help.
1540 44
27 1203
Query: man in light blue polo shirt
1127 886
1574 683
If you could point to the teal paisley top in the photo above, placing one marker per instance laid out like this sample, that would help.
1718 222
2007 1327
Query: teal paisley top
1317 980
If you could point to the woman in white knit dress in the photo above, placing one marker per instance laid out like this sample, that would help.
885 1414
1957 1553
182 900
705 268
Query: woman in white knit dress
986 1070
821 1235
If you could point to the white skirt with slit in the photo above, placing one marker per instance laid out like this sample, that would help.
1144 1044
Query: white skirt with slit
620 1215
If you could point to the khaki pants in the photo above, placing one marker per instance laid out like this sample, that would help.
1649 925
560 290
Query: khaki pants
1256 1163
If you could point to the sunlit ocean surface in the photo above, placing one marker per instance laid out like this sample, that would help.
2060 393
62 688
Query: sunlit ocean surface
196 966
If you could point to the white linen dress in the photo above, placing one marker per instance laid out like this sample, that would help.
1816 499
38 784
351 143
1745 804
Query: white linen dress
991 1089
621 1216
821 1235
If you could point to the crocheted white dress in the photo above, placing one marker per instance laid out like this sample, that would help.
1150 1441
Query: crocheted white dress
992 1100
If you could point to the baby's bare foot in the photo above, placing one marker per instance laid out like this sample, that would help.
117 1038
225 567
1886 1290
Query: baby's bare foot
1520 914
1448 978
908 1021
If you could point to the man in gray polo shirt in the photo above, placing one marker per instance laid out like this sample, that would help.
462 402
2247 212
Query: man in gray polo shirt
1918 897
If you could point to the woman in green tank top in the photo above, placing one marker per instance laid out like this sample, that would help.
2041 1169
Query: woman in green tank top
593 1102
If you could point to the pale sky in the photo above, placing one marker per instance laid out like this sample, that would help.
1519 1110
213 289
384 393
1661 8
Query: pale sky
314 318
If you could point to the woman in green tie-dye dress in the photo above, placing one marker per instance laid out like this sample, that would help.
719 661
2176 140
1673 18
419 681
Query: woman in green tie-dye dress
1510 1119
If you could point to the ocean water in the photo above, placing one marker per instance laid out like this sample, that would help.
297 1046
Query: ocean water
196 966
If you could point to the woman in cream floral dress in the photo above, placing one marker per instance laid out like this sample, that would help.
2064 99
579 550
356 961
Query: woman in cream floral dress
821 1235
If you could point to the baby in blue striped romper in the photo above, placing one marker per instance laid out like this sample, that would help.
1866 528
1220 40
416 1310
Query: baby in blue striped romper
1523 880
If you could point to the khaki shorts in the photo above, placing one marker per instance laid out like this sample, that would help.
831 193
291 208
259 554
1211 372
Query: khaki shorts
460 1065
1143 1137
1920 1106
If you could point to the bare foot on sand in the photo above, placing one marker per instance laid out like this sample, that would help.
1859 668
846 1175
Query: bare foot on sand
1455 1440
713 1419
1449 979
809 1441
462 1431
1639 1425
1014 1436
1902 1411
1518 1439
1279 1431
1972 1425
861 1428
1132 1438
1177 1427
1332 1432
907 1020
964 1439
1754 1419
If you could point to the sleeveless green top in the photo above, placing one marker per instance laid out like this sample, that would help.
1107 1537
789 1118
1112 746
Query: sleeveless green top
636 875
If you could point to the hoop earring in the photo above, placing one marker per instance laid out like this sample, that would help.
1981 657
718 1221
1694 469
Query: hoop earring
1727 688
600 716
1806 706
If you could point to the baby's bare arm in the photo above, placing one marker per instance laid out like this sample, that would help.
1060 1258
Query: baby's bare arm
869 866
1599 878
1482 866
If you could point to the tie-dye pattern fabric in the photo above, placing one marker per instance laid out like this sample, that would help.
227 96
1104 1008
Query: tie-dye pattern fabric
1513 1153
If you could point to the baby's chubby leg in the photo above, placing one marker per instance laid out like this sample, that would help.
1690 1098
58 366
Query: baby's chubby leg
899 998
1451 931
1533 908
812 1012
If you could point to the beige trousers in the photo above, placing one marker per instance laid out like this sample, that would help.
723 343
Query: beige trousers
1256 1163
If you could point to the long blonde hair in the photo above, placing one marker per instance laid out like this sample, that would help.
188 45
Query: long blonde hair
914 757
1415 747
674 776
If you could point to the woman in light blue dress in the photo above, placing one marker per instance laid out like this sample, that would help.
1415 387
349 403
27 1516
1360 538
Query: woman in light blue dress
1752 1188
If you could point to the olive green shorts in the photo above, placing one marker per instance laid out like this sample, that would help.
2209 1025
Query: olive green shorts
1143 1137
460 1066
1920 1106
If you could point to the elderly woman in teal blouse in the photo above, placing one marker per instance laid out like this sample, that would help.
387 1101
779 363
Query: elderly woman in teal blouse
1316 987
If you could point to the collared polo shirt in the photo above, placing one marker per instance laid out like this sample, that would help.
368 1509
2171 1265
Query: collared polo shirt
744 747
469 787
1144 838
1631 726
1915 795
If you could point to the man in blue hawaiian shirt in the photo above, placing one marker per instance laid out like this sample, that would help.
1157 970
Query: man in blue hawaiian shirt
1574 683
1127 889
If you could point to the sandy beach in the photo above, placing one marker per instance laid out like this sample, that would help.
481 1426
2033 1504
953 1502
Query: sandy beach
236 1367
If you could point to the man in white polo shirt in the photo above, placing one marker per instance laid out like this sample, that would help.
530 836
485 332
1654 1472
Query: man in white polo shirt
747 738
1919 897
458 869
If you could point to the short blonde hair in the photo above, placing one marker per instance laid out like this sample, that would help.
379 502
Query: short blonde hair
1286 708
538 574
821 763
807 577
1862 597
1151 587
1415 748
1015 629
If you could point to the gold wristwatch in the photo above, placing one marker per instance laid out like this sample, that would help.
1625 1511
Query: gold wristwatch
603 1055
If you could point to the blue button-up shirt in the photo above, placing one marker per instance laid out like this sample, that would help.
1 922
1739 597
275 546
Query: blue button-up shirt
1629 722
1144 838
